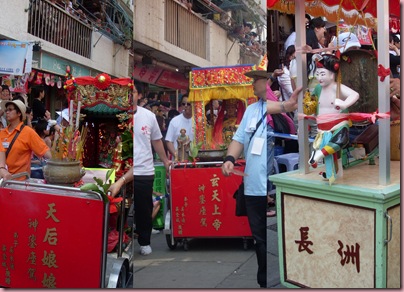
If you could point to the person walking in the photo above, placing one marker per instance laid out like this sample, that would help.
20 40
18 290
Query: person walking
250 139
146 133
182 121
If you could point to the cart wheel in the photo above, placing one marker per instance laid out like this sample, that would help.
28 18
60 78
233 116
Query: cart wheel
170 245
123 277
118 272
185 244
245 243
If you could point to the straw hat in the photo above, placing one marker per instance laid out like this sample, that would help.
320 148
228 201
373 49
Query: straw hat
17 103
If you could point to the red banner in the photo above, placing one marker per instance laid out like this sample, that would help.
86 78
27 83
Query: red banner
146 74
173 80
50 240
205 207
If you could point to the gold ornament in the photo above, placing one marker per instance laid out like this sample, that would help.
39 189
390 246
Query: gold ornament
309 103
101 79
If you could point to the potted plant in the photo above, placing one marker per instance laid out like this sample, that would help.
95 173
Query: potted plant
64 168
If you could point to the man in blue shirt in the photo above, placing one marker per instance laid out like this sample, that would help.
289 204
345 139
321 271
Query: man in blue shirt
251 138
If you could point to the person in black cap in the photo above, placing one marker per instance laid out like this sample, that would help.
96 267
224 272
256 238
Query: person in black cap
250 139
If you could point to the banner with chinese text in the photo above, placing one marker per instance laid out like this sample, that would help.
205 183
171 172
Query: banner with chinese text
49 240
205 207
333 249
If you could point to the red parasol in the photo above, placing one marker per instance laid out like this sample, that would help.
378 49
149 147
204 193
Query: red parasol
352 11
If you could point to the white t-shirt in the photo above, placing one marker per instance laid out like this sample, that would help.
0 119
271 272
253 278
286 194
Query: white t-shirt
293 69
145 130
285 83
291 40
176 124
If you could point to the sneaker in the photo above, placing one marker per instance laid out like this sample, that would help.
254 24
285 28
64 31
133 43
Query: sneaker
271 213
155 231
145 250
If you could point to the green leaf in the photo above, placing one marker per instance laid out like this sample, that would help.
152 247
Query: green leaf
99 181
110 172
106 187
90 187
193 152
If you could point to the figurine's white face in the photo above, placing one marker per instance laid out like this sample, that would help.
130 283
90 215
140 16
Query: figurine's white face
325 77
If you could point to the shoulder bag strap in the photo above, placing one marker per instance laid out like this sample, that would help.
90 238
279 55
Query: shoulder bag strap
257 126
15 138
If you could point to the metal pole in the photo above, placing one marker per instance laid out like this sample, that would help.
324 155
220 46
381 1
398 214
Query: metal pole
98 40
227 54
383 91
122 222
301 60
104 245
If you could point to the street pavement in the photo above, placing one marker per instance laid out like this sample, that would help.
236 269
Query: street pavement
208 263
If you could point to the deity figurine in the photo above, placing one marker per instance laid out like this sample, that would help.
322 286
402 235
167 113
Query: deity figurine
228 119
333 126
117 159
183 142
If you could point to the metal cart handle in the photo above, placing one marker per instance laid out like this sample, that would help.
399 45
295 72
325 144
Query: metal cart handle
15 176
168 178
73 190
386 241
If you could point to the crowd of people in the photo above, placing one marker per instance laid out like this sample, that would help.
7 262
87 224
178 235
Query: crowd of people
21 143
152 119
27 132
248 37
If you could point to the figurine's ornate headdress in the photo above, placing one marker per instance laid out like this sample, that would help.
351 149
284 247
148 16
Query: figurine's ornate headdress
327 61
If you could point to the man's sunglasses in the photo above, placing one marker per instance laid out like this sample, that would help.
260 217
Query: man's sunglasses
258 78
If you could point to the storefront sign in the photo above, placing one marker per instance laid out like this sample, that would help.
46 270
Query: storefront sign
50 240
15 57
58 66
145 73
173 80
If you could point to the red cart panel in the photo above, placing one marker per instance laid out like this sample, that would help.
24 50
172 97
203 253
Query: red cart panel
202 203
50 240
